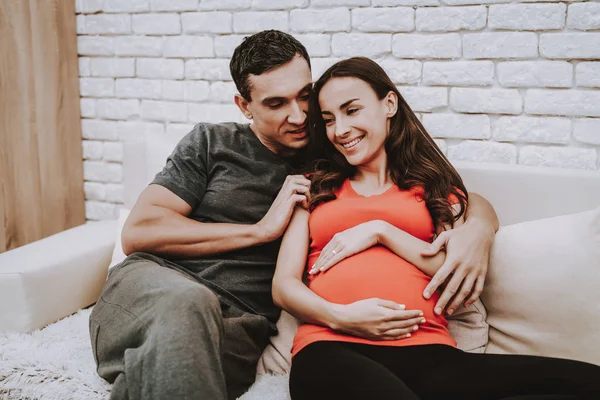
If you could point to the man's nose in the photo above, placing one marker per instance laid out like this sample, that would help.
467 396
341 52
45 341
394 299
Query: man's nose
297 114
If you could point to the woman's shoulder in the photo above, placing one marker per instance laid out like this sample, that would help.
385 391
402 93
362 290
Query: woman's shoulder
419 191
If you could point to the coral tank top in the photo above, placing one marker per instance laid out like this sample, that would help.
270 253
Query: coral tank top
377 271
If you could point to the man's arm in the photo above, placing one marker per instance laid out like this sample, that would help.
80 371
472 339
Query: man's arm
467 254
481 211
159 224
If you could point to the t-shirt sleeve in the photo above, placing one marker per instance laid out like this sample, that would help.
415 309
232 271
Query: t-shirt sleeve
185 172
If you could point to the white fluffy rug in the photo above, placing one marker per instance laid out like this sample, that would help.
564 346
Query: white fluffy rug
56 363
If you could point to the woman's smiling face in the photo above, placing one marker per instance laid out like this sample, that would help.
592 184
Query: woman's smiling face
356 121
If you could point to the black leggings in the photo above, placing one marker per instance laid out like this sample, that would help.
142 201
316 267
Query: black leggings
338 370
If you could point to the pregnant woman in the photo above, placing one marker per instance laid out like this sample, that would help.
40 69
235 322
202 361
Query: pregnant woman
380 191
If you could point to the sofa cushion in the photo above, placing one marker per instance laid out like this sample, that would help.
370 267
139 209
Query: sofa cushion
541 293
51 278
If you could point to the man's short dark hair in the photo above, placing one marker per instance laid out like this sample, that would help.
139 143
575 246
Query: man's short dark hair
260 53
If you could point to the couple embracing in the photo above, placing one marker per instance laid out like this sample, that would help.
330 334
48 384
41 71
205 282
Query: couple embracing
334 204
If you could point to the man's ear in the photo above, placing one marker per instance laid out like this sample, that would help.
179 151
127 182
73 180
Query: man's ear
391 102
243 105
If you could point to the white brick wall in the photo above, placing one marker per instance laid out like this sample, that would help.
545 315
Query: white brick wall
159 68
492 80
399 19
157 24
500 45
458 73
584 16
426 46
535 74
112 67
332 20
588 74
207 22
359 44
251 21
527 17
493 101
446 19
188 47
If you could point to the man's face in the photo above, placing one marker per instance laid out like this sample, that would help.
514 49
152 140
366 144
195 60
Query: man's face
279 106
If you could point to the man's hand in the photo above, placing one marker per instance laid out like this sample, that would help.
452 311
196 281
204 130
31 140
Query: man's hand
377 319
345 244
295 189
467 255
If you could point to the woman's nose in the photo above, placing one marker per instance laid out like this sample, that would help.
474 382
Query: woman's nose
341 129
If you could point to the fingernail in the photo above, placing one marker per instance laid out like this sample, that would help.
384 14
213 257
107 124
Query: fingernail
423 321
450 311
401 306
426 295
415 327
438 310
420 314
408 335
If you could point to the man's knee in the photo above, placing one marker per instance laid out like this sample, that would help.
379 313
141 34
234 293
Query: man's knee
191 305
194 298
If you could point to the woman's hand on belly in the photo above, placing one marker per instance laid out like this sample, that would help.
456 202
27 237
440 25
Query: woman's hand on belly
377 319
347 243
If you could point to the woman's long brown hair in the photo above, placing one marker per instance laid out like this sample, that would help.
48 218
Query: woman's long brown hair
413 157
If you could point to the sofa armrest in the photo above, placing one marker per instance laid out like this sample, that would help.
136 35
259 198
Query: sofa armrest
52 278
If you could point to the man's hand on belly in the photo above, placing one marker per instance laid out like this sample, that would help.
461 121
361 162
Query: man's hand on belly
377 319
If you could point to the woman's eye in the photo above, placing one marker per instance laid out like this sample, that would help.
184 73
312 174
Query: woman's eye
351 111
275 105
328 121
305 97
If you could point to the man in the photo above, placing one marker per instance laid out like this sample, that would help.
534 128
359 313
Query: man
189 312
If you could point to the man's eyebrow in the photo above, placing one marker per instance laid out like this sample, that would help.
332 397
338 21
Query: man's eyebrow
271 99
342 106
307 87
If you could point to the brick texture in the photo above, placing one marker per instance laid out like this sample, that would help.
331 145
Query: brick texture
501 81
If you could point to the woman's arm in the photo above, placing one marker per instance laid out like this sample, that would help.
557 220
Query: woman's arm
411 248
289 292
374 319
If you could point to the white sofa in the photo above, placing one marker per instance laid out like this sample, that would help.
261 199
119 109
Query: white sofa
50 279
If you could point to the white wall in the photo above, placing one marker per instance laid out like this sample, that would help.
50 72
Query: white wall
494 80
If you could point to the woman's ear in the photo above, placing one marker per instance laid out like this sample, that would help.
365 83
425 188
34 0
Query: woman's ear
391 102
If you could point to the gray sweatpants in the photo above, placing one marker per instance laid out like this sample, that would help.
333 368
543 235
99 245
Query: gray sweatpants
158 333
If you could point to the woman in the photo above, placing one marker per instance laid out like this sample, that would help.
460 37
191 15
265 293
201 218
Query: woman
380 190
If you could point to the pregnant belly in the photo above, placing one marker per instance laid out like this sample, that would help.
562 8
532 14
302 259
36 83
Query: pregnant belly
376 272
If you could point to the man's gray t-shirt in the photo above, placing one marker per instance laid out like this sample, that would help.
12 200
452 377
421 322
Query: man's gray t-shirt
227 175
